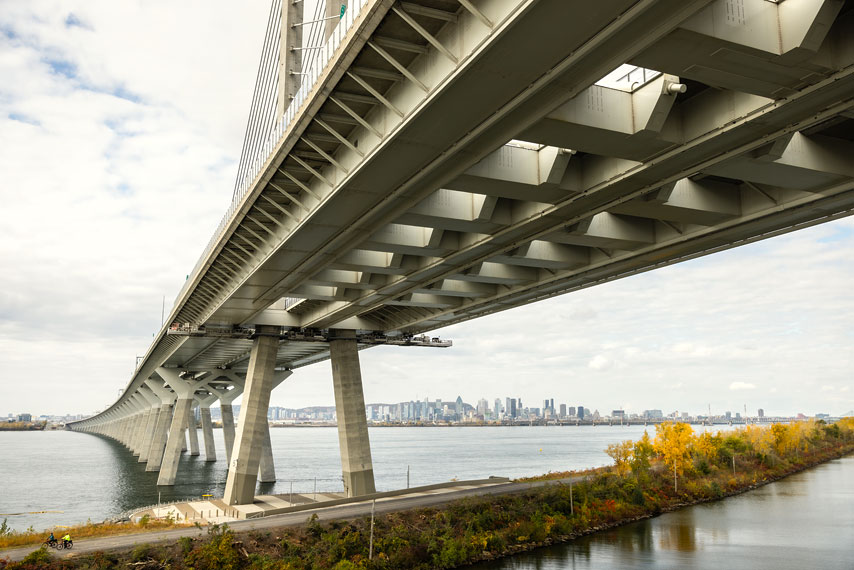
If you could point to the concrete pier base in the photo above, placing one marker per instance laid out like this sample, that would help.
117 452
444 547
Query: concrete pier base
356 463
248 443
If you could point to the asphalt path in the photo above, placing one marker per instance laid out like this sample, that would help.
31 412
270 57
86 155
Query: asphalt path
347 511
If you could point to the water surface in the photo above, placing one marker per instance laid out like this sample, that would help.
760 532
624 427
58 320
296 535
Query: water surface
805 521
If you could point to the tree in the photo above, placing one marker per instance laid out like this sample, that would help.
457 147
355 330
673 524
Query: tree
621 453
673 444
641 455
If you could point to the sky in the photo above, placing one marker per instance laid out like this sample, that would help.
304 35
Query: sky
120 130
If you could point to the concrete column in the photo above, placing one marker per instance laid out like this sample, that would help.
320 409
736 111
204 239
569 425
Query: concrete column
169 468
226 397
266 468
158 441
246 457
152 404
191 430
204 403
356 463
139 431
161 395
153 414
207 435
185 390
227 429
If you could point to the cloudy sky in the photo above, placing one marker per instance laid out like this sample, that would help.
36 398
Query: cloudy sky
120 130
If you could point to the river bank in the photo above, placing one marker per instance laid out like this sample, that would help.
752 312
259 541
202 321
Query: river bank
648 478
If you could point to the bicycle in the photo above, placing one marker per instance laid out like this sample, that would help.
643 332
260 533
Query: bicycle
67 544
51 543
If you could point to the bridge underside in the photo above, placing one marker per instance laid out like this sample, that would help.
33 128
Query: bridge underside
458 158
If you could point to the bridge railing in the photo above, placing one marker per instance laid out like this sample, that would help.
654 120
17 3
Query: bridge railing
317 65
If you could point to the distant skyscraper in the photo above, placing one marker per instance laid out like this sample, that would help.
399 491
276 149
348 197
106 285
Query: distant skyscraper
570 411
458 409
761 413
580 412
563 410
497 409
511 409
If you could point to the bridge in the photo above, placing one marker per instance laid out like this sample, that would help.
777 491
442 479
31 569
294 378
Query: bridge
411 165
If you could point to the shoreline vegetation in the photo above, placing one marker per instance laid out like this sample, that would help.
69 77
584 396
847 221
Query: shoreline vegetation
653 475
23 426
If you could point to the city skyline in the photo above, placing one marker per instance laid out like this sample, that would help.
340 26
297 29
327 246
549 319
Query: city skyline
138 129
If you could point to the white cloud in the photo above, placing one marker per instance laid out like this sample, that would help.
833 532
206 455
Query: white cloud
742 386
599 362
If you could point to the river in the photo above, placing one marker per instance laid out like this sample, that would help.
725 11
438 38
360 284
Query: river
805 521
93 477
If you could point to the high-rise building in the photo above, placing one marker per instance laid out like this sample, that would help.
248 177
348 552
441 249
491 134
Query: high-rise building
580 412
570 411
563 410
511 409
497 409
760 413
458 408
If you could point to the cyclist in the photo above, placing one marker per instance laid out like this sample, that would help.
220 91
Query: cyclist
66 539
51 540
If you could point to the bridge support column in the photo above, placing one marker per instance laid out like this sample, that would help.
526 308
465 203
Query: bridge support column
158 440
153 414
162 394
246 456
207 435
266 468
185 390
169 468
356 463
153 403
139 431
226 397
207 426
191 429
227 429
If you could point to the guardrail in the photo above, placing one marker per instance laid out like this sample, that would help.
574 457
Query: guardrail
318 64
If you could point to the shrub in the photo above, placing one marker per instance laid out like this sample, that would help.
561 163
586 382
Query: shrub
38 557
140 553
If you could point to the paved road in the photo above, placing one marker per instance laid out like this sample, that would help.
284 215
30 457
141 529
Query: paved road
348 511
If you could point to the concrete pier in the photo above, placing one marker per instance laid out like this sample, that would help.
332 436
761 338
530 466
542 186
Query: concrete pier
266 469
169 468
207 426
356 463
158 442
153 414
228 429
191 429
248 444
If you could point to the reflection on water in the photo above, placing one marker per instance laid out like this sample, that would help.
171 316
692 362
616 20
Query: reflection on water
805 521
